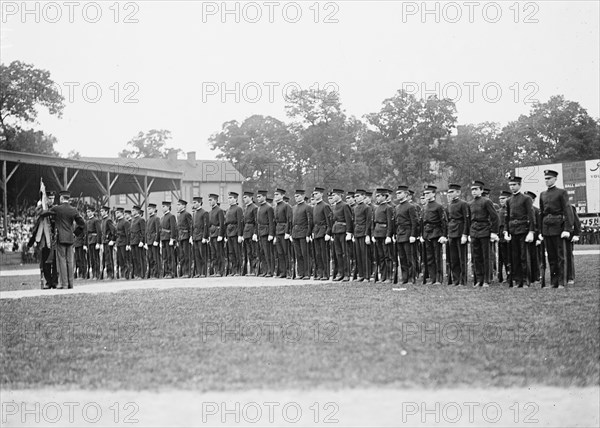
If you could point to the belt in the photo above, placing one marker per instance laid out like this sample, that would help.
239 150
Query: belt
166 230
554 215
379 222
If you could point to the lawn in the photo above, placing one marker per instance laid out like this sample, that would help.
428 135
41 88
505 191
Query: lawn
306 336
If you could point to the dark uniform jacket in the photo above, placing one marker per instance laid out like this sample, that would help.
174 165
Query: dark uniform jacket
265 219
302 221
138 231
184 226
94 231
458 218
519 215
64 216
216 222
200 225
484 218
322 220
250 222
384 221
557 216
81 238
109 231
363 220
342 218
153 230
168 227
576 222
501 225
282 218
234 221
406 221
434 221
123 228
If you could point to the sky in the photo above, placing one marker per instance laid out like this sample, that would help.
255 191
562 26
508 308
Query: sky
188 66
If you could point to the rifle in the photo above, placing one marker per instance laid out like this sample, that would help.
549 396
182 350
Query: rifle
565 264
528 272
509 254
543 264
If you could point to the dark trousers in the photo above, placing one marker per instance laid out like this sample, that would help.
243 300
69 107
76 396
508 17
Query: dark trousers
570 262
556 259
200 258
217 257
481 260
49 269
435 267
301 253
168 258
122 264
94 260
405 253
250 256
81 263
360 253
65 257
282 255
341 255
534 268
265 252
137 261
503 261
234 251
185 247
383 257
518 251
154 262
458 261
108 261
321 258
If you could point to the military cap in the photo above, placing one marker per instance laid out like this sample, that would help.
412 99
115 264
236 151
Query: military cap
280 191
350 194
197 198
402 188
412 192
454 186
90 208
182 202
167 203
127 211
306 199
505 194
300 192
50 193
151 205
105 208
550 173
429 188
269 200
515 179
286 199
531 194
262 192
65 193
120 209
137 208
338 191
248 193
486 191
360 192
234 195
319 190
478 184
382 191
213 196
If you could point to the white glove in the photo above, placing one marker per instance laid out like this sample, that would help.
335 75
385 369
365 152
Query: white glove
540 237
171 242
575 238
493 237
442 240
270 238
308 239
507 237
422 239
469 238
412 239
530 237
286 236
348 236
145 246
111 243
367 240
127 247
538 243
204 241
225 239
97 246
191 240
141 244
394 239
255 237
219 239
327 238
463 239
84 248
275 240
155 243
240 239
388 240
565 235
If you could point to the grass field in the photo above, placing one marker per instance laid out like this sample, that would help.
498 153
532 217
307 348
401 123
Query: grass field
306 336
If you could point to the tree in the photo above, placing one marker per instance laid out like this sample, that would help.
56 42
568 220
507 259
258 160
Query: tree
23 89
30 141
74 154
151 144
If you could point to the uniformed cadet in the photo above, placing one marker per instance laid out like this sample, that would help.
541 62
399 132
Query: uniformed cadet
129 251
569 253
153 233
321 234
351 202
266 231
458 232
94 240
81 249
168 238
416 247
122 243
250 235
291 271
407 230
200 234
109 234
216 230
503 246
484 228
520 219
302 226
282 232
537 250
138 240
342 233
371 257
184 238
363 223
382 236
434 235
557 226
234 232
422 256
